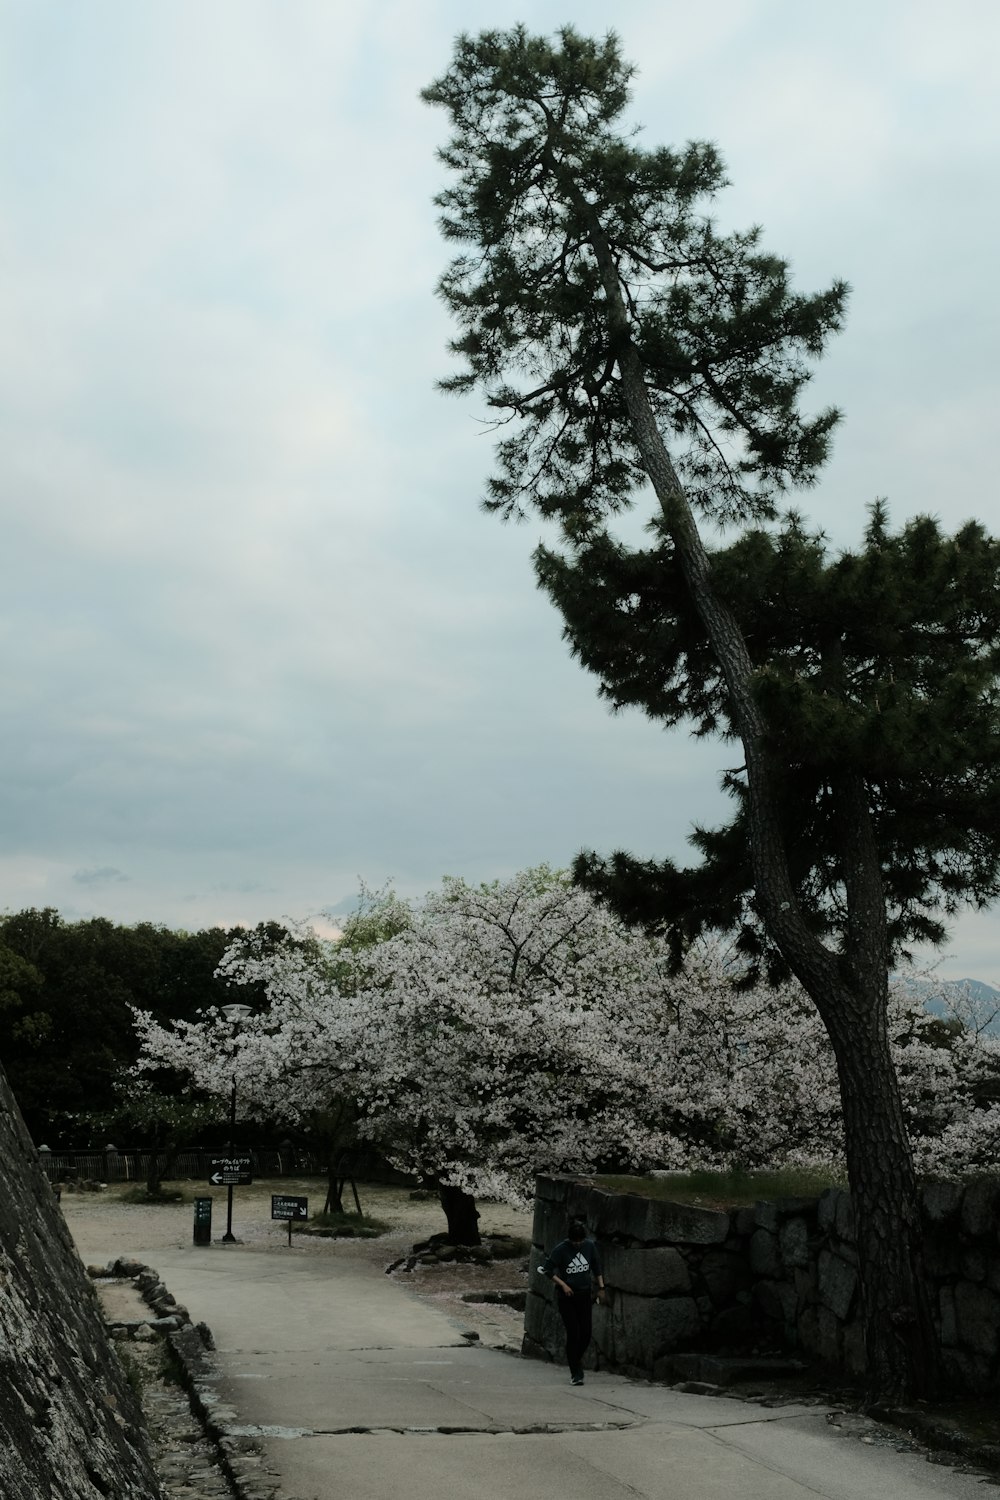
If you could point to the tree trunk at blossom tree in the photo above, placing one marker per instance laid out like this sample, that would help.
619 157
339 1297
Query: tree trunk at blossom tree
462 1215
334 1191
165 1146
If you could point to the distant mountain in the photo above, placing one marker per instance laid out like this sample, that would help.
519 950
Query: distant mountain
981 999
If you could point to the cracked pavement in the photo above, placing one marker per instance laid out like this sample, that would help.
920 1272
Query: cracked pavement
359 1390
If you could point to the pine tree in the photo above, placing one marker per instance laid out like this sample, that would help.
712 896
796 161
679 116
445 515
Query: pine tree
624 343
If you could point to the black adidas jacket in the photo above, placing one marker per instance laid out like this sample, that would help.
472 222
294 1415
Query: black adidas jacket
576 1264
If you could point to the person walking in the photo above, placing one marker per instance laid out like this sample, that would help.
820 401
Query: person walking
574 1265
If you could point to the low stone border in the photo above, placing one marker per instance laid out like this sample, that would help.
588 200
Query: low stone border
942 1436
440 1250
239 1457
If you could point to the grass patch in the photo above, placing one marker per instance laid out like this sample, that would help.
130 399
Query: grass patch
727 1189
343 1226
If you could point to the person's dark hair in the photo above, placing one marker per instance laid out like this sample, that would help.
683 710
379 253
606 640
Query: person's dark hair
577 1231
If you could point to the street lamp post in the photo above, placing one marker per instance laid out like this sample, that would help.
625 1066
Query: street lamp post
235 1015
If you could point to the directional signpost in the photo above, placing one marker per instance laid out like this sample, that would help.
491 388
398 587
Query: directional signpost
289 1208
229 1172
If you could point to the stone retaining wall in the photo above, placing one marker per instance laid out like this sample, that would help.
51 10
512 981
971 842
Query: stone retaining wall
774 1276
70 1424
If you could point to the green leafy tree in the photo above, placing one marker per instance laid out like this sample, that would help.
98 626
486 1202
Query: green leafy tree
165 1122
66 993
628 348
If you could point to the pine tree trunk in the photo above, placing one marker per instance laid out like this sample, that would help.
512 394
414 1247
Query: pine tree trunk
848 988
902 1357
462 1215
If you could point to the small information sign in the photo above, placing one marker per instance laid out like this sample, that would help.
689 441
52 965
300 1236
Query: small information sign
285 1207
231 1171
289 1208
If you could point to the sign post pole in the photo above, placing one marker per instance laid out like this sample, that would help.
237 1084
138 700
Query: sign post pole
227 1172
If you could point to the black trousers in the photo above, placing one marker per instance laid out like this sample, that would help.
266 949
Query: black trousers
576 1313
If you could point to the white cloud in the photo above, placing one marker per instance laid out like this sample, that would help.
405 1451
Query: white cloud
103 875
262 641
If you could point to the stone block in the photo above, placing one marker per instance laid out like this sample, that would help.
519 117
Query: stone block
804 1207
775 1302
599 1210
942 1253
826 1209
941 1200
764 1257
604 1334
807 1330
644 1328
836 1284
128 1268
619 1216
853 1349
553 1189
979 1206
550 1224
804 1281
743 1222
793 1242
732 1325
603 1329
645 1272
683 1224
576 1201
724 1273
538 1226
977 1313
544 1326
765 1216
974 1265
828 1330
845 1218
532 1350
964 1371
948 1323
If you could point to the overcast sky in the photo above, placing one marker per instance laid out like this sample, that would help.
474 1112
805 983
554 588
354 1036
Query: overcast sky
258 640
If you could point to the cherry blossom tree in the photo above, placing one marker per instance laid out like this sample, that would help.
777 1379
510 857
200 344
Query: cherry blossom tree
499 1031
513 1028
755 1082
492 1032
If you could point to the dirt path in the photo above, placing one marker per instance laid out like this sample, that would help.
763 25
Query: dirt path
103 1225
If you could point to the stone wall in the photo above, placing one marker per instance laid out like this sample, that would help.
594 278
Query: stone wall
70 1424
774 1276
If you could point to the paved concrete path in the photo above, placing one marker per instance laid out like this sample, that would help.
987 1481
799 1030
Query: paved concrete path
360 1391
